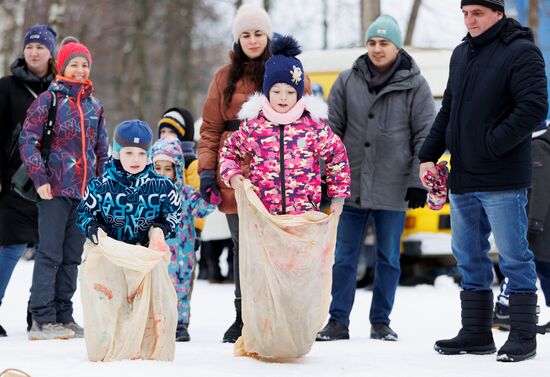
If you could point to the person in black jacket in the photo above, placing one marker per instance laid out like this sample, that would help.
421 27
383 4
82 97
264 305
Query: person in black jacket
495 97
31 75
538 229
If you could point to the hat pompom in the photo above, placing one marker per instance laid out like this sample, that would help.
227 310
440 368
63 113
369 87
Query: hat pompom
285 45
69 39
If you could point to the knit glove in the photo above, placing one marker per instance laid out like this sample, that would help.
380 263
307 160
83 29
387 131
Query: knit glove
416 197
93 228
437 186
209 188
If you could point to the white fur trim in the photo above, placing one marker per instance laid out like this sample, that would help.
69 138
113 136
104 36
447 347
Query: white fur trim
317 107
251 108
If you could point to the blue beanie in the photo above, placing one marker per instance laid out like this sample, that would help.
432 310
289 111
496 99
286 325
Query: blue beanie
385 27
43 34
283 66
132 133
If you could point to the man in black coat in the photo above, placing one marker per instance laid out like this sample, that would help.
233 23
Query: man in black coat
495 97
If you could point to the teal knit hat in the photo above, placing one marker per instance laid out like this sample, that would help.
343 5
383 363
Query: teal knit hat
385 27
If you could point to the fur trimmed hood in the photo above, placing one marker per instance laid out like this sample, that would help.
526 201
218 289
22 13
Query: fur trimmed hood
316 107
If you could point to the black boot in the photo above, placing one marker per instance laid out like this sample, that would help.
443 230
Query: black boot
522 340
234 331
3 332
182 335
475 336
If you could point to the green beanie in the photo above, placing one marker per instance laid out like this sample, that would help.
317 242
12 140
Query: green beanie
385 27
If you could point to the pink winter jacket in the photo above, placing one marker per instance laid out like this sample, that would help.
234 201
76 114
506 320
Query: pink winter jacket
285 157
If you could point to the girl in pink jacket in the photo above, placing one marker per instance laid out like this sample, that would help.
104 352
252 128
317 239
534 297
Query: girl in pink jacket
284 135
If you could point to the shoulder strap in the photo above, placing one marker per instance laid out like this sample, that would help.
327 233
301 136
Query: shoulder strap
48 128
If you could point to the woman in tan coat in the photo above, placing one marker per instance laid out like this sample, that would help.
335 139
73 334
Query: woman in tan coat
230 88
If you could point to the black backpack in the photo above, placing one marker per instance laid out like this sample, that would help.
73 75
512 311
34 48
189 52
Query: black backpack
21 183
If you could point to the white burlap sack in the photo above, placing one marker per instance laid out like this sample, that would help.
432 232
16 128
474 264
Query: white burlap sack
286 276
129 302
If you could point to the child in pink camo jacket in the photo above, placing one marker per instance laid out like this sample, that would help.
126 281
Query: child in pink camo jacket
283 134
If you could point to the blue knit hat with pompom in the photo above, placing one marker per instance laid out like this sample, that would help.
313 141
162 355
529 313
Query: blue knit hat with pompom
283 66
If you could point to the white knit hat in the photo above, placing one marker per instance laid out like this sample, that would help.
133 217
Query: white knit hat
251 17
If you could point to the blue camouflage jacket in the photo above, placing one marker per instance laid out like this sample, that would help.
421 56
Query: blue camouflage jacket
129 204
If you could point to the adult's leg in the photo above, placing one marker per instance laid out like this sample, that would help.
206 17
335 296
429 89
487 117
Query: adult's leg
53 215
508 218
389 227
234 331
470 242
351 229
9 255
67 273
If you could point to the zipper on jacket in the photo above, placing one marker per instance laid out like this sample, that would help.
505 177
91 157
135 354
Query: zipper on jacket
83 133
282 166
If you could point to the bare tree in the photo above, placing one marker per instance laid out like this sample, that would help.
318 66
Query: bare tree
534 18
325 24
12 16
370 10
412 22
267 5
56 16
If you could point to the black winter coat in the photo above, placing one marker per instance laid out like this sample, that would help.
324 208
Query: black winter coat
495 97
18 217
539 199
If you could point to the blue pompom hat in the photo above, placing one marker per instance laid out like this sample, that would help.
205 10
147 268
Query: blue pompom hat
43 34
283 66
132 133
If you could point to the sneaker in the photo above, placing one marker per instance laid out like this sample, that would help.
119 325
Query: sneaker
48 331
3 332
383 332
234 331
182 335
332 331
76 328
501 317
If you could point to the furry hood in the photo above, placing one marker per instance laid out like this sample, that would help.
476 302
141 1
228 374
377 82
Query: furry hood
316 107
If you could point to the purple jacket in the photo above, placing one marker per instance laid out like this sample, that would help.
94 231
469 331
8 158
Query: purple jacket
79 145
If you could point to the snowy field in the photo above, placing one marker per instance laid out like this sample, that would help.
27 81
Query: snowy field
421 315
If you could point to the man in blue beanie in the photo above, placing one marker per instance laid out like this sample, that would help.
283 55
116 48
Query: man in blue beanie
380 106
495 97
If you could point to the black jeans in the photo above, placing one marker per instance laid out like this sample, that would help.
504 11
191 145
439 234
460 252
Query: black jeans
56 261
233 222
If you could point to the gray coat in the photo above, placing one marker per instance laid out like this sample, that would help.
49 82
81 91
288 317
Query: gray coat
382 132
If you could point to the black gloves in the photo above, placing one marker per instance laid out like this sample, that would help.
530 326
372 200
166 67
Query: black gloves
209 187
92 231
416 197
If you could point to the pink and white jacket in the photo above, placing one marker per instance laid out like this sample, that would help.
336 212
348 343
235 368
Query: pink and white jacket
285 152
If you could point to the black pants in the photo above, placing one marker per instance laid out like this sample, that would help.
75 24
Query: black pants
56 262
233 222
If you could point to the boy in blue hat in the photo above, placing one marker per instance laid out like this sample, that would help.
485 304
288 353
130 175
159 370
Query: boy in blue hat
130 202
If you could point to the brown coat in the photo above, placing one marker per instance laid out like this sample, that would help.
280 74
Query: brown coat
213 130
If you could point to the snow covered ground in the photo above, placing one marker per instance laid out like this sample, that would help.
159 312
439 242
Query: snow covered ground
421 315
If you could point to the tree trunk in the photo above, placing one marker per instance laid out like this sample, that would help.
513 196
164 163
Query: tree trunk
325 24
12 14
412 22
142 78
56 15
370 10
186 88
534 18
267 5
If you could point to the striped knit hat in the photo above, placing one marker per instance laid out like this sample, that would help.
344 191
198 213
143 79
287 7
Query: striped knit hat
497 5
71 48
180 121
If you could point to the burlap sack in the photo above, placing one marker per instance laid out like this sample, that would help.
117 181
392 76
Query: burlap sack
129 302
286 276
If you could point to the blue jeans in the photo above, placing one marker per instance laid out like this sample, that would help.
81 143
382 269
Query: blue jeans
473 217
9 255
351 229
